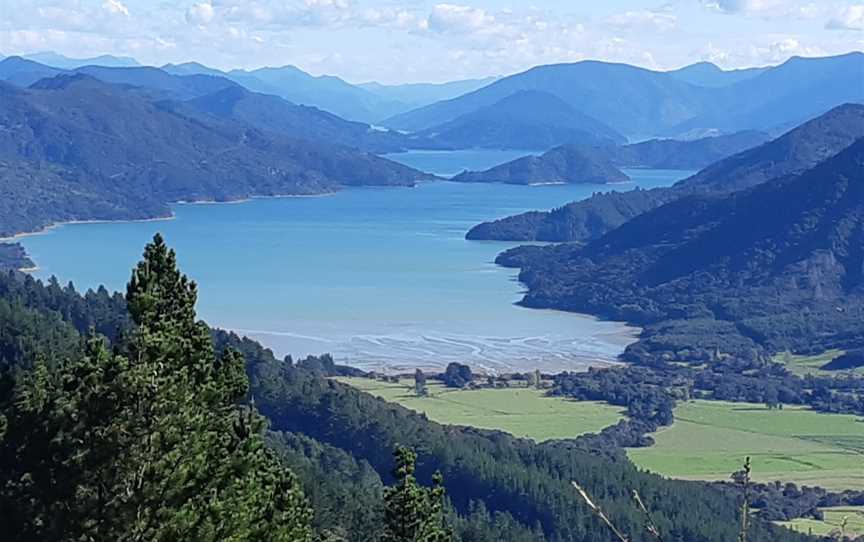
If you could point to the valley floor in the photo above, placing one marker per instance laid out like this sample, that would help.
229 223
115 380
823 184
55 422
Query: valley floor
710 439
523 412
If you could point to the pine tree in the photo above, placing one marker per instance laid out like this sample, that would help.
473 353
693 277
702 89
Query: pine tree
414 513
420 388
149 445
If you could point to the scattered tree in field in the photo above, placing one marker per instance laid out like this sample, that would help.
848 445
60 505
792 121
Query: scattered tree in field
457 375
414 513
538 379
147 443
420 384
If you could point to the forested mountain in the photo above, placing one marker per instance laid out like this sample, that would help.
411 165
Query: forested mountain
275 114
567 164
779 265
338 440
91 150
639 102
524 120
690 154
212 91
794 152
325 92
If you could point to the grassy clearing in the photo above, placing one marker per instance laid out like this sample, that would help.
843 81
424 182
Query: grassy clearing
523 412
710 439
804 365
832 522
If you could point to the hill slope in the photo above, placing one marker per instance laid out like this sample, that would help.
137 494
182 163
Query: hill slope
789 154
524 120
275 114
567 164
782 263
91 150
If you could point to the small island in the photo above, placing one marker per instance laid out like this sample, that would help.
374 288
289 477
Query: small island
567 164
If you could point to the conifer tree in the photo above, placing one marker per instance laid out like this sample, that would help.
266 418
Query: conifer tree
150 445
414 513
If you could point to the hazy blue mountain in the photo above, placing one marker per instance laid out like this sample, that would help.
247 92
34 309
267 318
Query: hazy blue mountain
420 94
632 100
325 92
272 113
524 120
706 74
566 164
22 72
192 68
56 60
790 154
79 148
690 154
178 87
787 95
639 102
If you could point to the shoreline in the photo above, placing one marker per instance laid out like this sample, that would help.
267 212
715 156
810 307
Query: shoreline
621 337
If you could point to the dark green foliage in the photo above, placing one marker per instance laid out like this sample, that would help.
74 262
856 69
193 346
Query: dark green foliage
149 444
529 483
777 267
413 513
849 360
457 375
12 256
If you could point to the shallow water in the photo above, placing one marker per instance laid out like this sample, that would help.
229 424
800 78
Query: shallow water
379 277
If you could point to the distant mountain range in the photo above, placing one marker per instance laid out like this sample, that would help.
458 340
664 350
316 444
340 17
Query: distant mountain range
527 119
56 60
220 96
420 94
790 154
77 148
567 164
706 74
639 102
779 265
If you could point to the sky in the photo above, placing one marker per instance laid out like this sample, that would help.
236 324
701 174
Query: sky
429 41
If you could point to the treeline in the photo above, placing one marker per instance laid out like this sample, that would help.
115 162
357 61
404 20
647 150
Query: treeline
337 441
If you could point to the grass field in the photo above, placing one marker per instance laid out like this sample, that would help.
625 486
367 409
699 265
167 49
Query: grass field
833 520
710 439
804 365
522 412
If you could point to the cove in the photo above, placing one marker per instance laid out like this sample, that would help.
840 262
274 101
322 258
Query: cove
382 278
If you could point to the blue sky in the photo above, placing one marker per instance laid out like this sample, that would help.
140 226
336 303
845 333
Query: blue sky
416 40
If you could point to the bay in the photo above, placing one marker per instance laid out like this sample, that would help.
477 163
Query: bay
382 278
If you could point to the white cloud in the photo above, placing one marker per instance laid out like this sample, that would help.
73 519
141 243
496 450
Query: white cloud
200 14
115 7
851 18
452 18
768 8
656 20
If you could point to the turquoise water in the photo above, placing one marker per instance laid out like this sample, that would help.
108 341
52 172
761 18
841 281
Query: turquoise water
380 277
